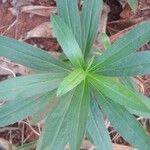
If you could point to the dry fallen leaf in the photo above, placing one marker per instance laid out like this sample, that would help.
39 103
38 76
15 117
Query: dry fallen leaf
8 68
39 10
122 147
4 1
86 145
44 30
5 145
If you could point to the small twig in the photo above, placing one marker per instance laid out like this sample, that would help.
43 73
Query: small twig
10 26
8 70
27 137
107 123
39 128
112 131
31 128
3 27
116 137
10 136
22 135
147 45
8 129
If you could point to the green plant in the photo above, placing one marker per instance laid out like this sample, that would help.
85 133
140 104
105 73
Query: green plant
73 94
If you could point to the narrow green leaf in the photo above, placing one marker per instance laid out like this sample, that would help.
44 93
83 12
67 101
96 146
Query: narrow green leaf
54 135
17 110
90 17
28 86
43 112
68 11
124 46
29 56
125 123
67 122
132 65
129 82
141 113
132 86
78 115
71 81
67 41
134 4
119 93
97 129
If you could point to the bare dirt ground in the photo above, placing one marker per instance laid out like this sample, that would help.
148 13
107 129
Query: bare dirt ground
29 21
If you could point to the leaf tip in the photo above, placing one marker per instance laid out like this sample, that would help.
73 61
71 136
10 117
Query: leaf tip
59 92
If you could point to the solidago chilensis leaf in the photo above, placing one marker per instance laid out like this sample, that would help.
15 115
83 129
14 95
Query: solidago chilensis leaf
125 123
132 65
90 16
67 41
68 11
71 81
29 56
96 128
119 93
125 46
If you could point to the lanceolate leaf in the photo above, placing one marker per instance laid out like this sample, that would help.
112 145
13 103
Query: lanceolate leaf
43 112
129 82
67 122
54 135
71 81
28 86
124 46
119 93
146 100
90 15
67 41
132 65
29 56
14 111
132 86
139 113
68 11
78 115
97 129
125 123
